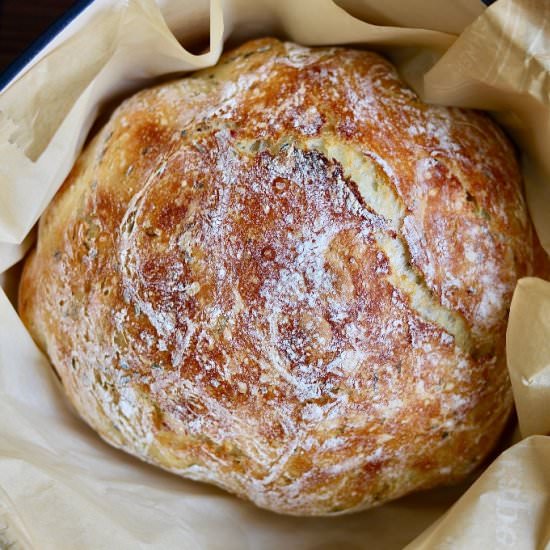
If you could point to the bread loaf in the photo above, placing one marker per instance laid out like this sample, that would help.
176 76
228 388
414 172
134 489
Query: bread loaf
288 276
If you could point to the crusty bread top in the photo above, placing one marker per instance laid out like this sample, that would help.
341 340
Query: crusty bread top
288 276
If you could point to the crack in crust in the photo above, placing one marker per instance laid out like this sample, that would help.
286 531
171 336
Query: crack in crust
376 191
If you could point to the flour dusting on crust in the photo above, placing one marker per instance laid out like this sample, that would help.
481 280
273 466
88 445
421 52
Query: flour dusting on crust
288 276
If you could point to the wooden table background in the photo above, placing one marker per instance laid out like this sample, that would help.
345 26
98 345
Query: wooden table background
22 21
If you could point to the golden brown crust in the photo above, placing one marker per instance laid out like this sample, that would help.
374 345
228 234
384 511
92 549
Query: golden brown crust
287 276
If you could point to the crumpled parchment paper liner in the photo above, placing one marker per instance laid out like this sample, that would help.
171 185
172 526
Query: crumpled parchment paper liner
62 487
507 507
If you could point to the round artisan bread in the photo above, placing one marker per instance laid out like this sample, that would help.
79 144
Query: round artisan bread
288 276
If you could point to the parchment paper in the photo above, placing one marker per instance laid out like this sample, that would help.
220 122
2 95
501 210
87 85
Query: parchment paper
60 486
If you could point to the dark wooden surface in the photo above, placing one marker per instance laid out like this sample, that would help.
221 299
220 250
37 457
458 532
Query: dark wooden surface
22 21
